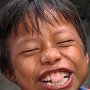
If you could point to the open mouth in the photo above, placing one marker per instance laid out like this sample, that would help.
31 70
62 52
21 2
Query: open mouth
56 79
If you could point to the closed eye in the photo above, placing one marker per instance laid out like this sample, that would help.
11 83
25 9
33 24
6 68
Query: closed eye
30 52
65 43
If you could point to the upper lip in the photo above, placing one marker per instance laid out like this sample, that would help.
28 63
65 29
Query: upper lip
44 73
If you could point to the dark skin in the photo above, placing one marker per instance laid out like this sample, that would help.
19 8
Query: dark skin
58 50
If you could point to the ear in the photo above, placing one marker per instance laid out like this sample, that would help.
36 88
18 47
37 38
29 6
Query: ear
87 58
9 74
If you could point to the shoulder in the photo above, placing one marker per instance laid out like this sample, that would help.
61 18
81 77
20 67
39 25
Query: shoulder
87 89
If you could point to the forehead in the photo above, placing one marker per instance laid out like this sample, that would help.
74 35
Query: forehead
46 29
56 26
31 23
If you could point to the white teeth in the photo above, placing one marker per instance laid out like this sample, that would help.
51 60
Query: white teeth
45 79
57 83
49 83
62 74
48 79
42 80
66 75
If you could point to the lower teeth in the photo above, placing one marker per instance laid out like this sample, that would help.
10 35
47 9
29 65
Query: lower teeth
57 83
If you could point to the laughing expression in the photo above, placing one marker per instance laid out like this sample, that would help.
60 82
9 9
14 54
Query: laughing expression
53 60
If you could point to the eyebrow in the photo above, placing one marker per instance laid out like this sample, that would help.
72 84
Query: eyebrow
25 40
60 31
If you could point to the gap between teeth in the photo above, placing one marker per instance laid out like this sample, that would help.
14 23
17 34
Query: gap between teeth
57 83
48 80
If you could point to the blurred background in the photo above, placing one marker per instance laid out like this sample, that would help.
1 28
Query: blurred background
83 7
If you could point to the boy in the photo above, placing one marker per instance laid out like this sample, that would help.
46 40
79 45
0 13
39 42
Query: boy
43 45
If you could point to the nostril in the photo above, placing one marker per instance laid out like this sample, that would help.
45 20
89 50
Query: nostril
50 56
57 60
47 62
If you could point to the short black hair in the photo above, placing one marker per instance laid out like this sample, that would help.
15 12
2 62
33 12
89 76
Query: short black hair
15 11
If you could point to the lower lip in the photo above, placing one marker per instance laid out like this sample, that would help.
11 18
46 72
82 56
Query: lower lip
44 86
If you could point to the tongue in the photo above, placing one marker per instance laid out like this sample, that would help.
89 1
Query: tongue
55 77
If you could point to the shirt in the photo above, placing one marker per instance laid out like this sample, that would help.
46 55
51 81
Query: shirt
82 88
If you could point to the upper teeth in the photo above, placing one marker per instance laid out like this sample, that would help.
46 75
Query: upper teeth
51 79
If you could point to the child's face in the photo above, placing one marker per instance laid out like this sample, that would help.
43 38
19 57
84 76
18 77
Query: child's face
54 60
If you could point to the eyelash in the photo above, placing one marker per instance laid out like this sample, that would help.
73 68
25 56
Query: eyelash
65 43
32 49
30 52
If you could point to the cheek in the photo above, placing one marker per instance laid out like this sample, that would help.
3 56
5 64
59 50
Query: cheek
75 55
25 70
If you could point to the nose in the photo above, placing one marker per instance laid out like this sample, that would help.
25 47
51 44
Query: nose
50 56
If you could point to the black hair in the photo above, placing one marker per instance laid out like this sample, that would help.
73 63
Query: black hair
15 11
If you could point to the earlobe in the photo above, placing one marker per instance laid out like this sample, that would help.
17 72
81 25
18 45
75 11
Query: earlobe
9 75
